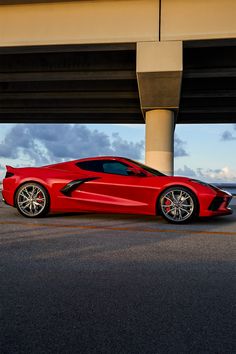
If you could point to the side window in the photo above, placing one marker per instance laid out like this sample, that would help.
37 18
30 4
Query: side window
94 166
105 166
116 168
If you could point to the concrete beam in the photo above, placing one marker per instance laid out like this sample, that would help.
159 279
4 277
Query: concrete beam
159 73
79 22
208 19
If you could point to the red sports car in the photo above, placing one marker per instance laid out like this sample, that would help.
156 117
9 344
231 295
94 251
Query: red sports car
110 184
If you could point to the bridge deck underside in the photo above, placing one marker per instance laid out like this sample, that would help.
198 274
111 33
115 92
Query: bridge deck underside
209 82
98 84
82 84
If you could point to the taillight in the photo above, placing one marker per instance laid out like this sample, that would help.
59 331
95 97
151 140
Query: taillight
9 174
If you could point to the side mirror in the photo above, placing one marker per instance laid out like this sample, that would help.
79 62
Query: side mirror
135 172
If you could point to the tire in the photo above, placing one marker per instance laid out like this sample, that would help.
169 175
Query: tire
178 205
32 200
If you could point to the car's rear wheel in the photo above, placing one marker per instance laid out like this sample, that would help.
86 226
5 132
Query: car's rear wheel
32 200
178 205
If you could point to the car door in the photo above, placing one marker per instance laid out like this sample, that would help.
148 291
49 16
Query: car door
113 188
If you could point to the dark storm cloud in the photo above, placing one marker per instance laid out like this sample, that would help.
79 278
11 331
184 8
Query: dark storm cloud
179 147
229 135
45 144
19 141
18 136
67 141
126 148
51 143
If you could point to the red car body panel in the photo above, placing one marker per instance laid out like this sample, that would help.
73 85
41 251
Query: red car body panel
106 192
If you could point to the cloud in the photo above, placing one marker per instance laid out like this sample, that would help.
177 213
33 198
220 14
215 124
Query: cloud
179 147
126 148
224 174
43 144
185 171
228 135
2 172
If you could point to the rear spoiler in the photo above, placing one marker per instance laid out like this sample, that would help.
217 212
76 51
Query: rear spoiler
10 168
10 171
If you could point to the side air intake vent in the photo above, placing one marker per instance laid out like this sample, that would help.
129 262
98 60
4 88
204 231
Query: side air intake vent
9 174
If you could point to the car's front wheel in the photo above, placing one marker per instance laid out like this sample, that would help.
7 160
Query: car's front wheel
32 200
178 205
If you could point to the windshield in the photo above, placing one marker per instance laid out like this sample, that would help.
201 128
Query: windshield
147 168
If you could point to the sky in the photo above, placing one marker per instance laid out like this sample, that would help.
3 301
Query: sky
206 151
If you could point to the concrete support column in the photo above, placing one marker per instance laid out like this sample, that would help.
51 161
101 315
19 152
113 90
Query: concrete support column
160 140
159 73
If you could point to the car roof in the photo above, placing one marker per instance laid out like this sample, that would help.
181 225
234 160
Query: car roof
100 158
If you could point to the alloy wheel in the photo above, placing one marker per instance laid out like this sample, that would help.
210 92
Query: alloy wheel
31 200
177 205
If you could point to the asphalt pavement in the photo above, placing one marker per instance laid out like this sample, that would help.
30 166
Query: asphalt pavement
112 284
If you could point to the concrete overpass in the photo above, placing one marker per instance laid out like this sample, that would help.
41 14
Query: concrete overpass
158 62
